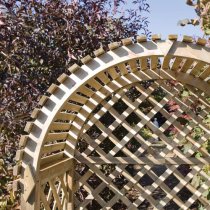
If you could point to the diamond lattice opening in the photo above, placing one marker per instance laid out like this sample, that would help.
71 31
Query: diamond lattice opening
120 106
107 119
133 119
94 181
106 145
106 194
120 132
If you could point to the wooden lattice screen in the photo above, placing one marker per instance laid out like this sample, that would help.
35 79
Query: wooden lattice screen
127 130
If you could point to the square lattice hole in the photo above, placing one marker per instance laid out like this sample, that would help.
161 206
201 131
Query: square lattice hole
133 94
81 194
132 119
146 180
171 181
120 132
107 119
107 169
158 169
94 132
171 205
133 145
158 194
158 120
184 194
82 145
171 106
120 181
184 169
94 205
132 194
145 106
120 106
94 181
146 133
119 206
81 169
158 94
106 145
106 194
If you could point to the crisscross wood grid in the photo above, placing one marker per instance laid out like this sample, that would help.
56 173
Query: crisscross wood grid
105 137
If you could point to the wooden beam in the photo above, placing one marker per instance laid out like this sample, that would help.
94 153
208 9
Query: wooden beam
71 185
55 169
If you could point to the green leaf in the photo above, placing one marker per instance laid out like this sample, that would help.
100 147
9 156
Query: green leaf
187 147
196 181
198 155
201 207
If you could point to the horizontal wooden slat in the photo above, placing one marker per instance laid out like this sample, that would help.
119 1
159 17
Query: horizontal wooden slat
56 136
59 126
53 147
55 169
65 116
51 158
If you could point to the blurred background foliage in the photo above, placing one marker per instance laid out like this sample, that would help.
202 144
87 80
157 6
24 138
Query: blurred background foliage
40 39
202 9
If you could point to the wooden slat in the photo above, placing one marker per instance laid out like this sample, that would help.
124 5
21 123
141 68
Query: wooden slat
23 140
142 160
176 64
188 63
79 98
122 68
44 200
71 185
55 169
65 116
56 136
53 147
143 63
205 74
71 107
59 126
197 69
51 158
55 194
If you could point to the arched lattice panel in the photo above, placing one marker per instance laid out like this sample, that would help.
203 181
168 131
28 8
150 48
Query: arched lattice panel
83 112
137 150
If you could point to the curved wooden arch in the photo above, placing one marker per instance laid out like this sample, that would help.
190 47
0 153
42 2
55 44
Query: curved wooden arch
69 103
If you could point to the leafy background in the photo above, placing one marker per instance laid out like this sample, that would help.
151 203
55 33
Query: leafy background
39 41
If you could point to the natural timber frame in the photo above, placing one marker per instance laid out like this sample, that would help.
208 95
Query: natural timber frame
69 110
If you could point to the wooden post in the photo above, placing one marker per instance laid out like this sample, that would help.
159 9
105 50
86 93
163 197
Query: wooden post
71 185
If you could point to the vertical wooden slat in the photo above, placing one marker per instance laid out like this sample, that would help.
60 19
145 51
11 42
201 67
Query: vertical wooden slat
71 185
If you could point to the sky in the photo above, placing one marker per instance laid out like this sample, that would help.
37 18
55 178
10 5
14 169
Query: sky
164 15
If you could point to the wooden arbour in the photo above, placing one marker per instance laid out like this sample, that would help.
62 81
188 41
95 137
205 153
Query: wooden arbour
49 154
